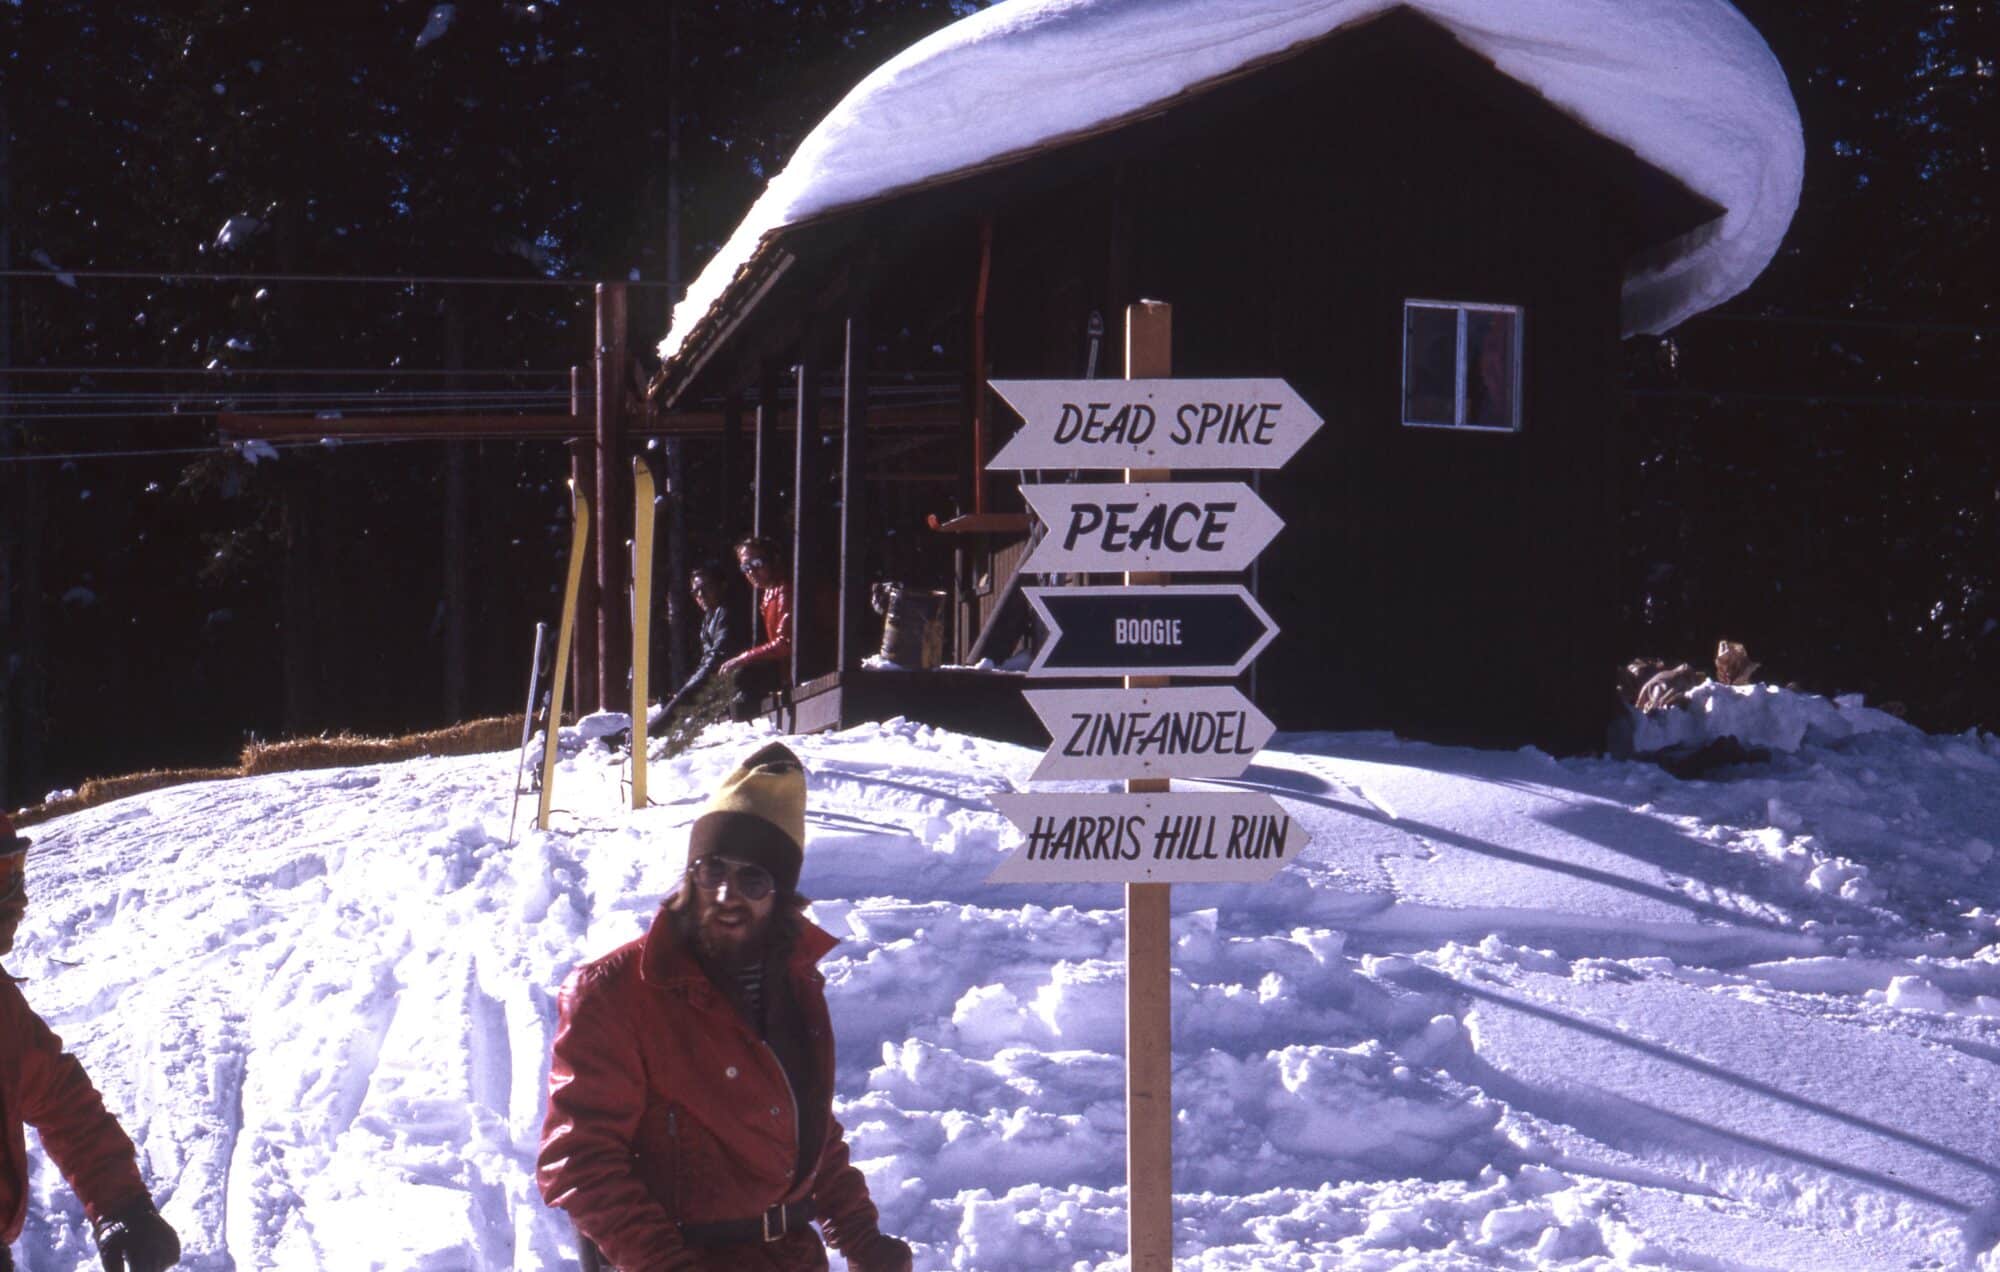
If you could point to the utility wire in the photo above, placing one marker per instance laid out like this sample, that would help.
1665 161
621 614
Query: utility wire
224 449
65 276
305 371
332 415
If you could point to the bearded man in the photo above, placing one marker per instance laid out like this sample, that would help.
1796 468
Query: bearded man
690 1123
43 1086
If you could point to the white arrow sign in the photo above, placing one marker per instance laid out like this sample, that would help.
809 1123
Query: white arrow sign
1184 731
1182 629
1179 424
1162 838
1174 526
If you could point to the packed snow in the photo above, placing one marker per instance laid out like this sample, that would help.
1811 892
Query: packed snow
1688 85
1504 1011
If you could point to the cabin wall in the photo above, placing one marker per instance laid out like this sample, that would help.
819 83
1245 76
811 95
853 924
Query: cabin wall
1447 584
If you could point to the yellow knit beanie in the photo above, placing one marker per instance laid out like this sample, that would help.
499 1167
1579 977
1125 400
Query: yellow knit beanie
758 816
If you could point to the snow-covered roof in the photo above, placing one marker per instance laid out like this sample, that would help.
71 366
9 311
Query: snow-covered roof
1688 85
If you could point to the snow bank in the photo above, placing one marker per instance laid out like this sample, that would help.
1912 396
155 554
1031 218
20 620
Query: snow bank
1766 716
1505 1011
1687 84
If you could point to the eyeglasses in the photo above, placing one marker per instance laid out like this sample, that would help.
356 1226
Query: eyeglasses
754 563
752 883
13 875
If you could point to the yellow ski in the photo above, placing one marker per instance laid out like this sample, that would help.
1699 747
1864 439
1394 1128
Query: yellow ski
579 547
644 492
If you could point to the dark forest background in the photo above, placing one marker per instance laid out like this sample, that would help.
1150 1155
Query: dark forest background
1813 470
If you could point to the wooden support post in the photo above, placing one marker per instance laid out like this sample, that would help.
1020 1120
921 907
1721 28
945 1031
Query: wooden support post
805 488
457 552
583 476
614 499
763 476
728 504
1149 1025
679 620
850 647
764 461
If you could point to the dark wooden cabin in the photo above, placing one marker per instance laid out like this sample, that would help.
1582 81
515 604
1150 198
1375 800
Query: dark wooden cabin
1447 567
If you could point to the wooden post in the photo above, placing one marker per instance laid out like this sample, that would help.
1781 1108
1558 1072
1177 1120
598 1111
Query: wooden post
678 617
1149 1027
850 648
805 481
457 502
729 469
613 500
764 462
583 476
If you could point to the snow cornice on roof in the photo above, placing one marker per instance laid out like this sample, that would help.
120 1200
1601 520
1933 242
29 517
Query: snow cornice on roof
1688 85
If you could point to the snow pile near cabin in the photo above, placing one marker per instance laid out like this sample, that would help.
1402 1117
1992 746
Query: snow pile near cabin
1504 1011
1756 715
1688 85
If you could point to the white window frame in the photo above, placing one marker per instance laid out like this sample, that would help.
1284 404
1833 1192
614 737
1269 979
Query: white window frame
1461 308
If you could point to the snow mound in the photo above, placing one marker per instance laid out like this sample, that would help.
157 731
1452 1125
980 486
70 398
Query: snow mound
1688 85
1766 716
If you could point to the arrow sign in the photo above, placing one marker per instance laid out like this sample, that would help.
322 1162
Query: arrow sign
1183 630
1161 838
1217 525
1154 423
1185 731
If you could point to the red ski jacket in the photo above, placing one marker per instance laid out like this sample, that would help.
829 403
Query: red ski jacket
665 1108
42 1084
777 646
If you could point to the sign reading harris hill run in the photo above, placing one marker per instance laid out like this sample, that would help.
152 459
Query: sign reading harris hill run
1169 837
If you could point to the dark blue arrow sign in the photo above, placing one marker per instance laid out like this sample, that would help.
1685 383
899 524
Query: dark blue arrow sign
1190 630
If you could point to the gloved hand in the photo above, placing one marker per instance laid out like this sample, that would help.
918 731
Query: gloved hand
137 1240
881 1254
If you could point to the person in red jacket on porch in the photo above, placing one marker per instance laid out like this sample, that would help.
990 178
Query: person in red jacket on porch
42 1085
690 1121
765 667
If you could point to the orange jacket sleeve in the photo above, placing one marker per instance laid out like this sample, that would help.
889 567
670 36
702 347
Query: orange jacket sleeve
777 602
45 1087
597 1090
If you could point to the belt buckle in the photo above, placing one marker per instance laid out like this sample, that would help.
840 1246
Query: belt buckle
778 1210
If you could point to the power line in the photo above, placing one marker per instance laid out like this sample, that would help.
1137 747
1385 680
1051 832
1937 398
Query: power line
224 449
308 371
64 276
330 414
62 398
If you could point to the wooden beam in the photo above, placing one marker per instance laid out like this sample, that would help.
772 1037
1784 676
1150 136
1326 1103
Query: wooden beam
853 600
1149 1020
805 482
583 475
614 499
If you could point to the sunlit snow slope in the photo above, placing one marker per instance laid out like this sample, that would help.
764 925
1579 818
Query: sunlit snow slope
1505 1012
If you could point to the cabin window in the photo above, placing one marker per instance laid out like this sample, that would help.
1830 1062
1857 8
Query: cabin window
1461 365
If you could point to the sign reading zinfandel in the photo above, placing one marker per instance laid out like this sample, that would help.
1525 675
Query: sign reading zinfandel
1106 527
1180 731
1164 838
1203 629
1178 424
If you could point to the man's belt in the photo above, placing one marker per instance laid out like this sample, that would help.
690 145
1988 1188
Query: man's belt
776 1222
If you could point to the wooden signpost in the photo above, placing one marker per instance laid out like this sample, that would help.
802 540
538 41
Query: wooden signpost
1150 837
